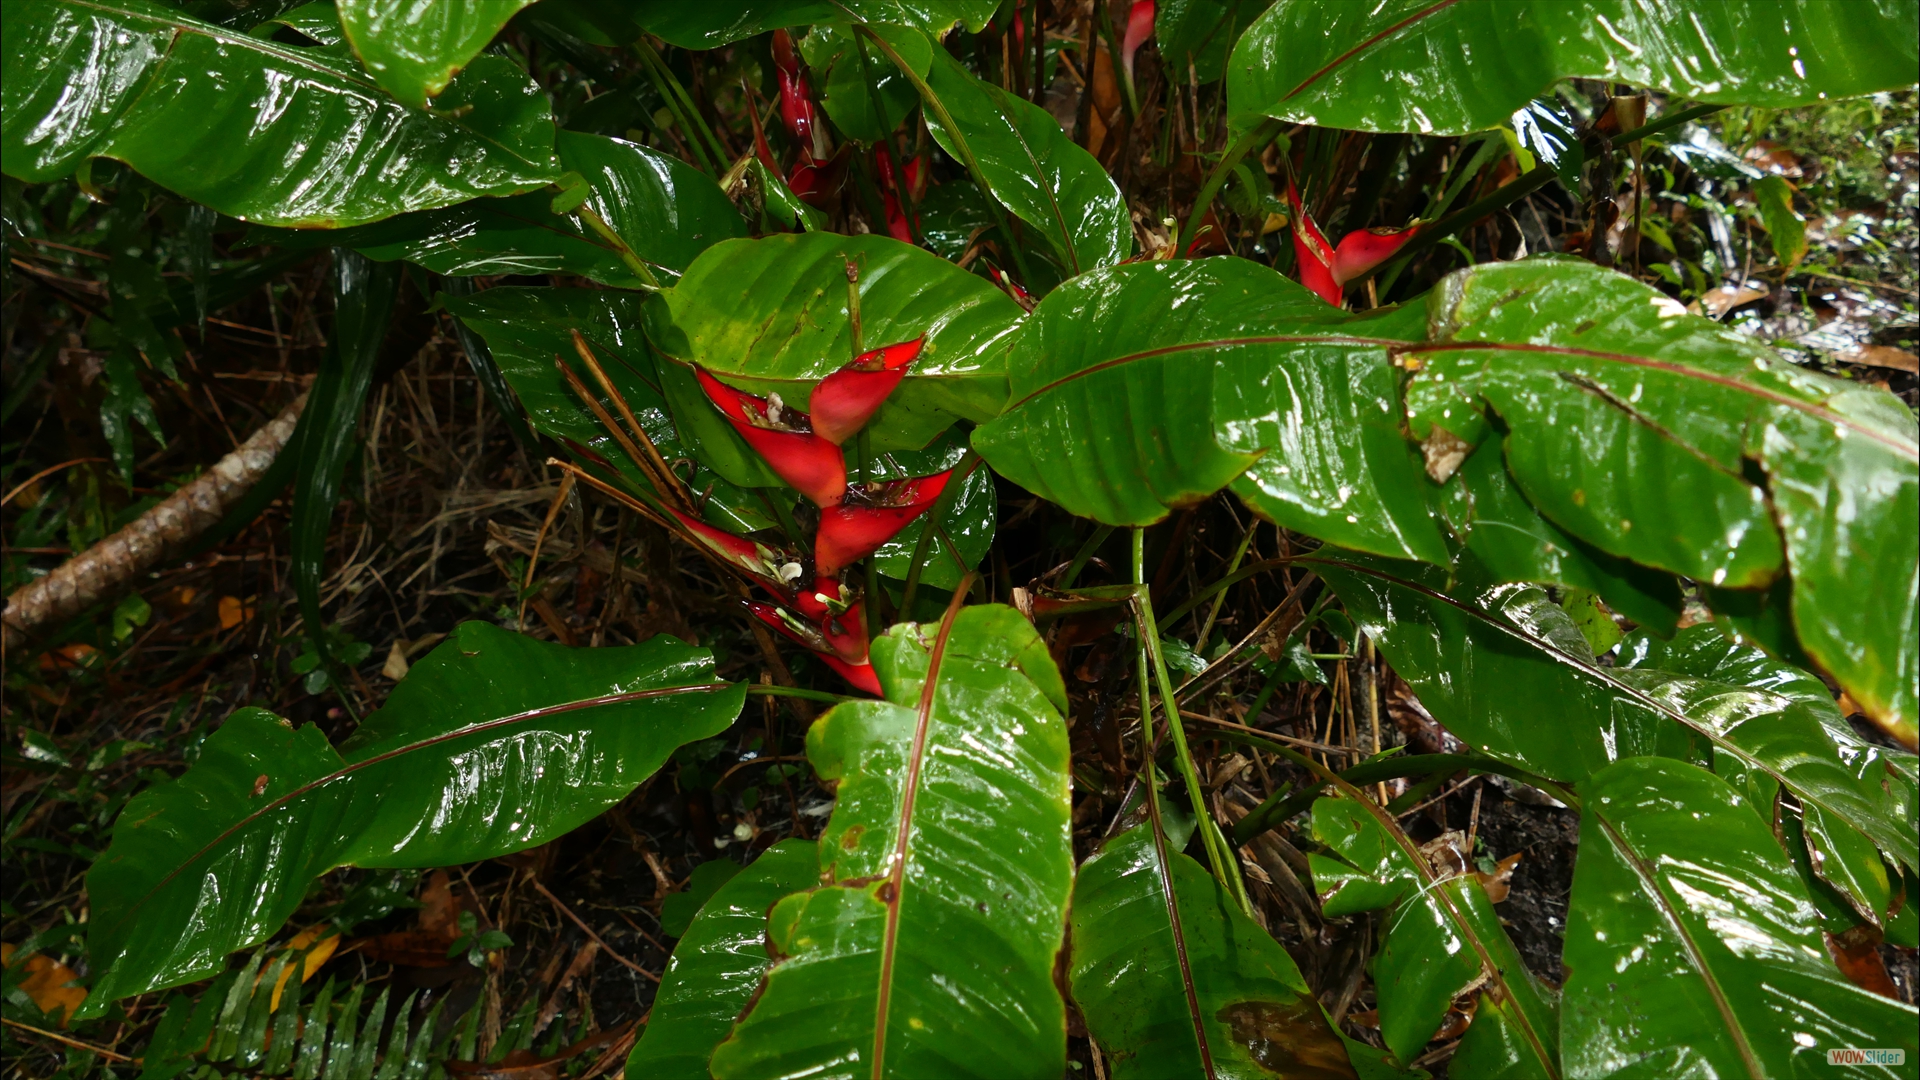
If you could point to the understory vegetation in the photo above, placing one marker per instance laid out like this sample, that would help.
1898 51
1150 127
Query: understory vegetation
1227 538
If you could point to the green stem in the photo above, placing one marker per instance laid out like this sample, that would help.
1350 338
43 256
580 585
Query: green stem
1231 579
688 113
1206 628
1218 855
1086 552
1217 179
931 525
605 231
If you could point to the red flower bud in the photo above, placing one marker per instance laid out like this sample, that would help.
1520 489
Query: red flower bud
785 438
1360 251
1312 252
851 532
845 400
1139 29
796 106
1005 281
858 674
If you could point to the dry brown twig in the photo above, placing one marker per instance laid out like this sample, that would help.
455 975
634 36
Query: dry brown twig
162 532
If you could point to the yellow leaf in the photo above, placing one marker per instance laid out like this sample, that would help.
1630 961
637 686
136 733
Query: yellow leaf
46 984
319 951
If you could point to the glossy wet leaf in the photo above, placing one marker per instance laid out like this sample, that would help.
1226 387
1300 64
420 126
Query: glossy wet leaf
1692 947
1215 996
493 743
718 964
1029 165
414 48
1512 542
964 535
1440 938
526 328
665 211
1786 229
1489 662
868 96
1451 68
709 26
180 100
1598 377
951 826
770 315
1151 386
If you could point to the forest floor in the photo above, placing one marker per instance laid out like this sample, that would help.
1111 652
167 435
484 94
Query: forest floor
439 524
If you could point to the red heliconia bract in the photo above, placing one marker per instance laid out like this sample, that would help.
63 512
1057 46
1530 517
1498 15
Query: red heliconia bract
1139 29
811 464
1363 249
859 675
890 197
1312 252
842 624
749 556
845 400
849 533
796 97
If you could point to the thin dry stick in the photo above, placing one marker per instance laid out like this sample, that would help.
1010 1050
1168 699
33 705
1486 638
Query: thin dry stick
553 511
658 464
42 474
59 1038
108 566
1370 665
606 420
588 930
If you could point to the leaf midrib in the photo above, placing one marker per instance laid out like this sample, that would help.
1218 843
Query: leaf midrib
1599 675
353 767
1365 45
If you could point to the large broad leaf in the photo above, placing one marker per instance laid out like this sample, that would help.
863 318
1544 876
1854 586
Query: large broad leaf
493 743
1630 424
414 48
948 861
718 964
962 537
1174 980
709 26
1507 537
1451 68
664 211
1692 947
526 329
264 132
1441 939
770 315
1017 150
1492 661
1153 385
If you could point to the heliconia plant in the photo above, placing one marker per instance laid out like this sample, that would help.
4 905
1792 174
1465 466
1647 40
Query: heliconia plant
1444 464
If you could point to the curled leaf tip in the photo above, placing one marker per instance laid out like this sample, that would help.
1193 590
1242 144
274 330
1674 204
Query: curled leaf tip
785 438
855 528
845 400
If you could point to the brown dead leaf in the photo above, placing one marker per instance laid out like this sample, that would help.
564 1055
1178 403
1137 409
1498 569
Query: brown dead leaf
233 612
1447 854
1857 954
1500 882
426 946
1774 158
1716 302
396 666
46 983
1882 356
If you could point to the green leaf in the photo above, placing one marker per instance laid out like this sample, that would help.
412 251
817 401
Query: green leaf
964 535
1513 543
867 96
770 315
709 26
180 101
952 826
665 210
1441 938
1017 152
1594 620
319 20
952 216
678 909
1786 229
718 964
1209 995
1195 36
493 743
1152 385
1446 68
414 48
1682 405
526 328
1489 667
1692 947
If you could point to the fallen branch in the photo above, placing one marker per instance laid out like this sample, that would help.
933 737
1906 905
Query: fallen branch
108 566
